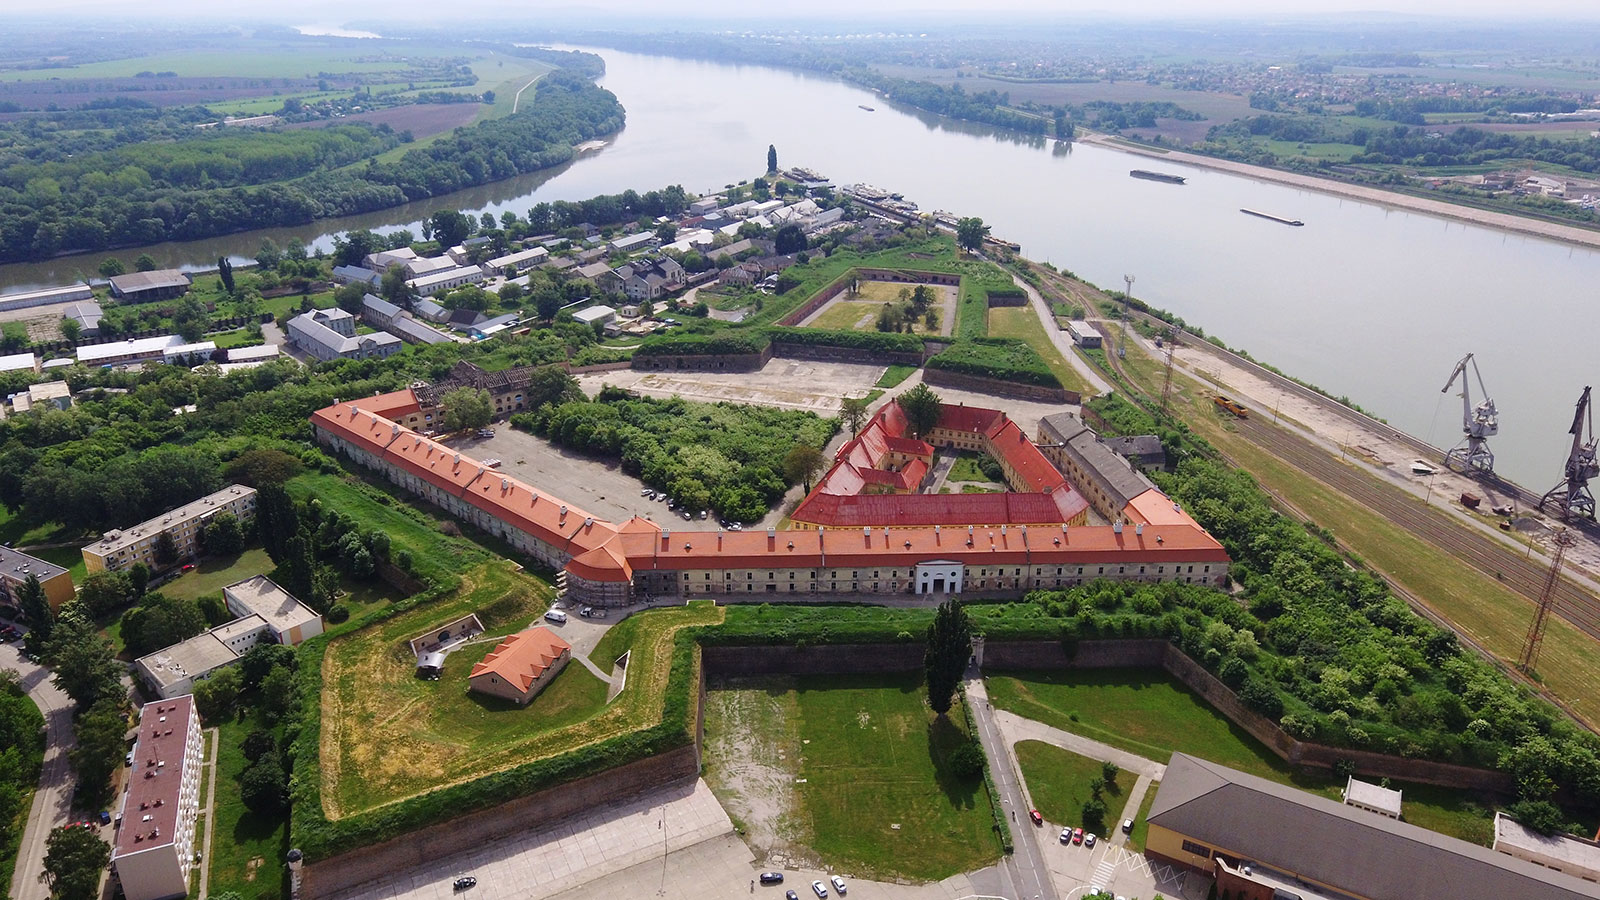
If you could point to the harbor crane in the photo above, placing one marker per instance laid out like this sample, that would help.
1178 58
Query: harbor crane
1571 497
1478 423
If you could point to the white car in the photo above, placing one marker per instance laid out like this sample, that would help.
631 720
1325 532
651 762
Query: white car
838 884
819 890
556 616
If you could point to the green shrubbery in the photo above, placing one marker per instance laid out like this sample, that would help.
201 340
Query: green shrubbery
717 343
876 341
1005 359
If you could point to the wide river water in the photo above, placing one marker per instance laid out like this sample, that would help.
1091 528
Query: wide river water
1365 301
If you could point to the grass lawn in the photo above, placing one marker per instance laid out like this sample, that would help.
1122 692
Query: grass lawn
387 735
893 375
848 315
247 849
18 533
214 573
1058 782
1023 323
1145 711
870 793
69 558
1141 827
229 339
967 469
433 553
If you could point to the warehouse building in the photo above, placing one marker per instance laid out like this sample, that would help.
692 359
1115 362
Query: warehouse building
143 287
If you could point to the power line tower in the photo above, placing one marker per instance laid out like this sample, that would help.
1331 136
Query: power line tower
1547 601
1166 386
1122 342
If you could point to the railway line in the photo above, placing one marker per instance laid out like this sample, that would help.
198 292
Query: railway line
1525 576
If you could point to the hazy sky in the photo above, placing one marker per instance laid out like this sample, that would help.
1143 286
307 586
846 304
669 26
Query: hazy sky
302 11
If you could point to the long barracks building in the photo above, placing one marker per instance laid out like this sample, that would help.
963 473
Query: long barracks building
608 564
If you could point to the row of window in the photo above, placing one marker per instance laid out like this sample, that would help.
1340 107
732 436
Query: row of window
982 573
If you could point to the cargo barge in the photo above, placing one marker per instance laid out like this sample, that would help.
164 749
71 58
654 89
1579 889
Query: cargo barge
1148 175
1279 219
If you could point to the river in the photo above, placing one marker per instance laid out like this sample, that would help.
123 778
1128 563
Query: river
1372 303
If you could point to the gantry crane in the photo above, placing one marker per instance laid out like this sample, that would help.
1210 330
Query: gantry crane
1478 423
1571 497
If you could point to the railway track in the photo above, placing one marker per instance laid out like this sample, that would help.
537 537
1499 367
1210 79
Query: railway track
1482 552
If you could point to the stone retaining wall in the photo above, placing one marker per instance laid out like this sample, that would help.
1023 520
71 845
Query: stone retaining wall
689 362
978 384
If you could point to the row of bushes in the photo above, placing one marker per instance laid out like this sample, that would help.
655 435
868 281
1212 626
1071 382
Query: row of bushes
875 341
1006 359
720 343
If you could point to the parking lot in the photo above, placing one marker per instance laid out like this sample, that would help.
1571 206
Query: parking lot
787 383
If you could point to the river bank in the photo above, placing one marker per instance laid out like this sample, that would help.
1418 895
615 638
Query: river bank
1570 234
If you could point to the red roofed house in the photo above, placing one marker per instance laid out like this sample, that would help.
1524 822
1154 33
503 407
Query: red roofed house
521 666
153 849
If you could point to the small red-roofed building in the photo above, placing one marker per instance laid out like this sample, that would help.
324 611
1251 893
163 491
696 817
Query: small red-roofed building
520 666
153 849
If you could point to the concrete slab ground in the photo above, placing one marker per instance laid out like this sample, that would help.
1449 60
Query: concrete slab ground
787 383
574 852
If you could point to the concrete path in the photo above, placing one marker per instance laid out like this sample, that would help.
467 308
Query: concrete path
209 812
52 802
1129 810
1026 868
1016 728
1097 384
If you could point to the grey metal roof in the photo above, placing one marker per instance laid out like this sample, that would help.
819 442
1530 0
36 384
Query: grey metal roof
1351 849
416 332
1116 477
148 281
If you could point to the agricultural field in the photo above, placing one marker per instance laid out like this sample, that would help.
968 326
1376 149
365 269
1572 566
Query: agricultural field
387 735
1144 711
848 772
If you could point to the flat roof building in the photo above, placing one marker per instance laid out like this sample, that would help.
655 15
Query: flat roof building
87 313
258 353
122 547
289 620
19 362
1210 818
153 848
1374 798
600 314
266 613
512 263
1564 853
46 296
142 287
132 350
433 284
16 566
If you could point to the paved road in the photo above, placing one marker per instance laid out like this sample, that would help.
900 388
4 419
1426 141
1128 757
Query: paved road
1047 319
52 803
1016 728
1026 868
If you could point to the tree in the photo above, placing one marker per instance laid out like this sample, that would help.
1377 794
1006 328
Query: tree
666 232
467 408
261 659
450 227
548 303
349 297
802 463
921 406
86 667
191 319
789 239
264 787
396 288
488 97
111 267
160 621
772 158
1540 815
100 732
138 578
853 412
1109 772
351 248
269 255
277 692
261 467
970 232
949 646
35 607
967 761
257 744
225 273
74 857
145 263
164 551
223 535
71 330
103 592
277 520
215 696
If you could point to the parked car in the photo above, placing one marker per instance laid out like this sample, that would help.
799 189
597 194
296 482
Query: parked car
1034 815
464 882
556 616
1066 835
772 878
1077 835
686 516
819 890
646 492
486 432
1088 839
838 884
1127 826
703 515
790 895
187 567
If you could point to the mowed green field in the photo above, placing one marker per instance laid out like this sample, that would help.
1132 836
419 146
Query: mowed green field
871 793
1022 323
1145 711
1059 784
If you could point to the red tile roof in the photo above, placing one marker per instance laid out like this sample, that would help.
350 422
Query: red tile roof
923 510
155 782
521 658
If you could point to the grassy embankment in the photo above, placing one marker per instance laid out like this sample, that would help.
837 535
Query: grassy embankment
1144 711
871 792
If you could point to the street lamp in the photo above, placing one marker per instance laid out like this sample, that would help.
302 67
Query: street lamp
1122 343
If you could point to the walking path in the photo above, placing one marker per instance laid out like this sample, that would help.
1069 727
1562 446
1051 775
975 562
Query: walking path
1063 343
1016 728
1026 868
52 802
209 811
